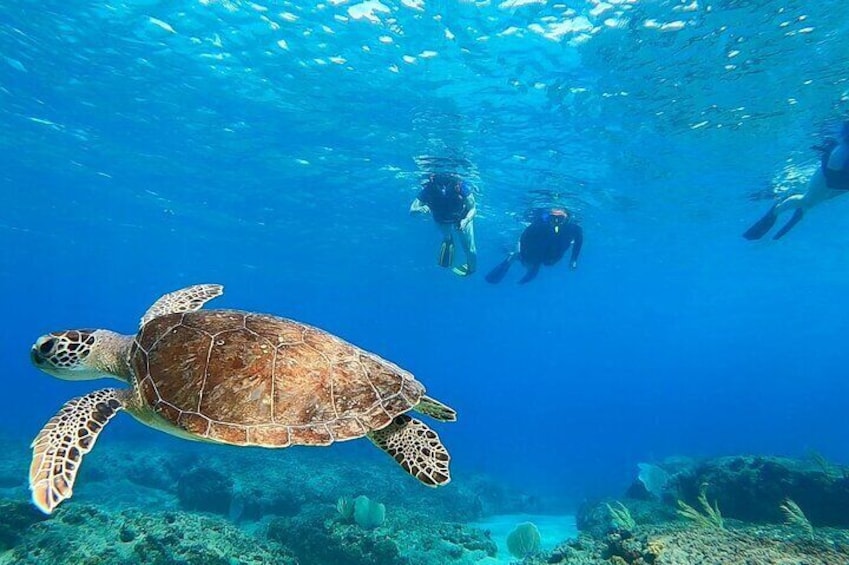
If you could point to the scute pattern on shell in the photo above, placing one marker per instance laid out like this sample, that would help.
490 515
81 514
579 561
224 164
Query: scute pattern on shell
254 379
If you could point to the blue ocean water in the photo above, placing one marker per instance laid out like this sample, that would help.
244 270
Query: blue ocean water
275 148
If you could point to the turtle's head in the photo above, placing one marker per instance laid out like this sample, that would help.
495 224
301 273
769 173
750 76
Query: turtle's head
71 355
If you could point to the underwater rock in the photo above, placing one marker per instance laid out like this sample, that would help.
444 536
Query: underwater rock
470 539
483 496
425 541
584 550
273 483
15 452
15 517
320 534
205 490
258 503
313 478
152 466
753 488
687 544
595 518
162 472
84 535
314 537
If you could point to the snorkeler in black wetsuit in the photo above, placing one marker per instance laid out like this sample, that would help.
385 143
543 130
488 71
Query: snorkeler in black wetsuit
831 179
452 204
544 242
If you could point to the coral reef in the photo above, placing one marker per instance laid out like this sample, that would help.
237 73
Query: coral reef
753 489
709 495
138 502
15 518
151 503
688 544
85 535
205 490
320 534
595 519
260 484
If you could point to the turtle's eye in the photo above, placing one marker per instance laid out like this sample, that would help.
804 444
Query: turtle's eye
46 347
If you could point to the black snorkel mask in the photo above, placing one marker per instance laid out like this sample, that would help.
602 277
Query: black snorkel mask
557 217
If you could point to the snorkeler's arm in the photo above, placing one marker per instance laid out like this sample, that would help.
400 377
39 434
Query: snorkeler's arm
471 208
577 243
419 207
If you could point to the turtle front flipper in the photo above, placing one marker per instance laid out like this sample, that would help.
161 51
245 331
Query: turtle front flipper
186 299
435 409
416 448
58 449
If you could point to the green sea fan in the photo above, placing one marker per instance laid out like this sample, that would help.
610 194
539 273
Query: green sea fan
794 516
345 508
621 516
524 540
712 518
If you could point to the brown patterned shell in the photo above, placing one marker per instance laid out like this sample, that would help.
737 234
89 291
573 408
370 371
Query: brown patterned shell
252 379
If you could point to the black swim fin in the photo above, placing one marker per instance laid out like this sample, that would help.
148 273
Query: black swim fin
446 254
463 270
759 229
496 275
797 215
532 273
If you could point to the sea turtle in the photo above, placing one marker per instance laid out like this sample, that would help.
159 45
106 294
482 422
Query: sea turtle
232 377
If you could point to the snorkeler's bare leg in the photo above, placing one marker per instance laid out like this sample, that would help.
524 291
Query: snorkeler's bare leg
467 238
790 203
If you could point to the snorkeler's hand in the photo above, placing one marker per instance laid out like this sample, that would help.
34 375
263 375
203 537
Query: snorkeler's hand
463 223
573 265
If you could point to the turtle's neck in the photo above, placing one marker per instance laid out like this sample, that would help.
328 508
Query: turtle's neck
111 354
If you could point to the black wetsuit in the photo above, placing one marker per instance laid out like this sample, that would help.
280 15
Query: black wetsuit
541 244
836 179
544 242
446 196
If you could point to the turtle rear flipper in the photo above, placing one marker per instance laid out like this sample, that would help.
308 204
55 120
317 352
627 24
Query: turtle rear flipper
58 449
186 299
416 448
435 409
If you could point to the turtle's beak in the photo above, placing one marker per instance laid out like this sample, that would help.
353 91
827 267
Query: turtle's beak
42 348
